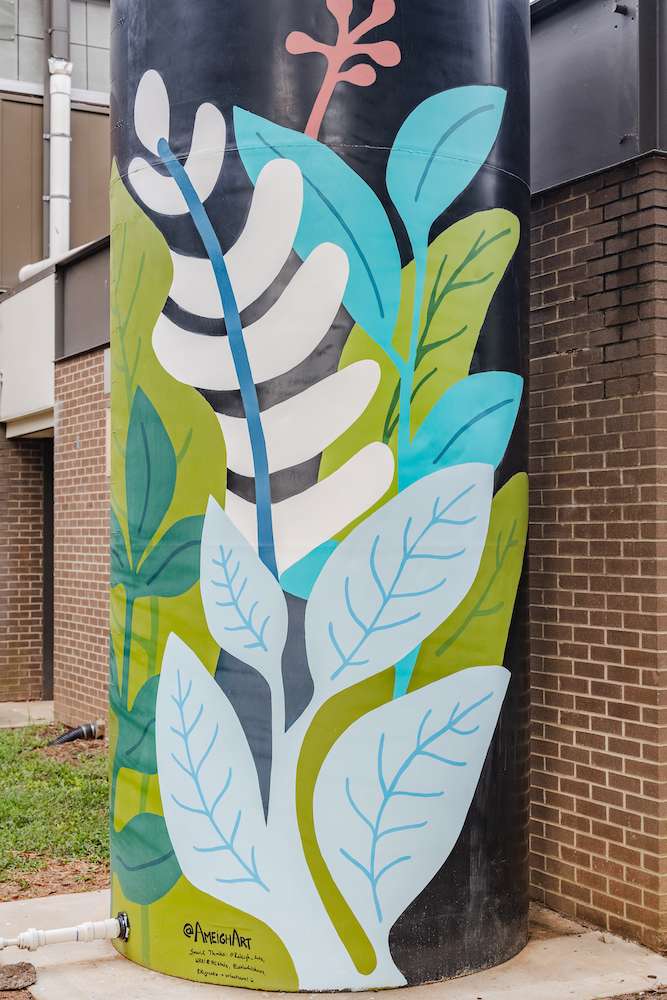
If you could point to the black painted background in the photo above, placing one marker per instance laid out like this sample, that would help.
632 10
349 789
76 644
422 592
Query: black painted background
474 913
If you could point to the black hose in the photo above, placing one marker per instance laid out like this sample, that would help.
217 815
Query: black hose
87 731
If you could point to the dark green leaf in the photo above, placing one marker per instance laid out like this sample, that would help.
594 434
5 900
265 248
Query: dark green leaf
136 728
113 672
150 473
144 859
173 565
120 564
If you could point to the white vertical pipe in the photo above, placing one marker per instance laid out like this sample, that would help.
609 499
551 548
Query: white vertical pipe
60 91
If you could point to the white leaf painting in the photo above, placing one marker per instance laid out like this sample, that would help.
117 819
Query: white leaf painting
307 519
320 411
203 163
397 576
152 114
266 238
394 792
286 334
208 784
244 604
281 338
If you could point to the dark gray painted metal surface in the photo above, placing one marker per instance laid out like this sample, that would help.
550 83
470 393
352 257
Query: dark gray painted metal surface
653 74
585 93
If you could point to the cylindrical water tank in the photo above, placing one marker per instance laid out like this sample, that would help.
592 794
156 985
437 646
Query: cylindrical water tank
320 215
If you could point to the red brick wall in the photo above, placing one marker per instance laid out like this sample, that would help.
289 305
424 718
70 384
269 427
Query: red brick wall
21 527
81 541
599 551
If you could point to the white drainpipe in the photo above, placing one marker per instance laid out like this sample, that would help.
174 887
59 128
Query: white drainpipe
60 90
114 928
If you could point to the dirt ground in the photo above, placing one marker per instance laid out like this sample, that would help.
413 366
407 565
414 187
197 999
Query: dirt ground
661 991
70 751
59 877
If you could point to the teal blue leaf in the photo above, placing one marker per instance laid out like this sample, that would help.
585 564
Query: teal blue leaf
437 152
172 567
403 672
150 473
300 578
135 747
472 422
338 207
143 859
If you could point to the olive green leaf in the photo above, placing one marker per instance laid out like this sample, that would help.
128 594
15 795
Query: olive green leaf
465 266
476 633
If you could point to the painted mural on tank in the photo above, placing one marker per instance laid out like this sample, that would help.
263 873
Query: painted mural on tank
305 681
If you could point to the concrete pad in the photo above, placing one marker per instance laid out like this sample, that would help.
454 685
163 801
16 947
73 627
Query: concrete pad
15 714
545 923
576 964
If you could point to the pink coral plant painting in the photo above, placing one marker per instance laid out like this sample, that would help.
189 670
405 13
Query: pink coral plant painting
349 45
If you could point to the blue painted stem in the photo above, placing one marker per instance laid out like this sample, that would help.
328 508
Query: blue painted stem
265 540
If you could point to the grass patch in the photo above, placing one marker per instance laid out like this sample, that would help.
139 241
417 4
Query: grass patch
53 803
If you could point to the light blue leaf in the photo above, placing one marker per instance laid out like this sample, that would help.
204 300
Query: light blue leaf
437 152
397 576
338 207
208 783
244 604
300 578
472 422
394 792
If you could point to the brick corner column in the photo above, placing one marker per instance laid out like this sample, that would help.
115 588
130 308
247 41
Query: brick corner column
21 539
81 540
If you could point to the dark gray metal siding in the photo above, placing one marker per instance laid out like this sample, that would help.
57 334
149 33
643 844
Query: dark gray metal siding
598 76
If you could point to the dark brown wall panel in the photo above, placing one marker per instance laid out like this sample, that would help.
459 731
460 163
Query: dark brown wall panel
90 176
20 186
21 181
